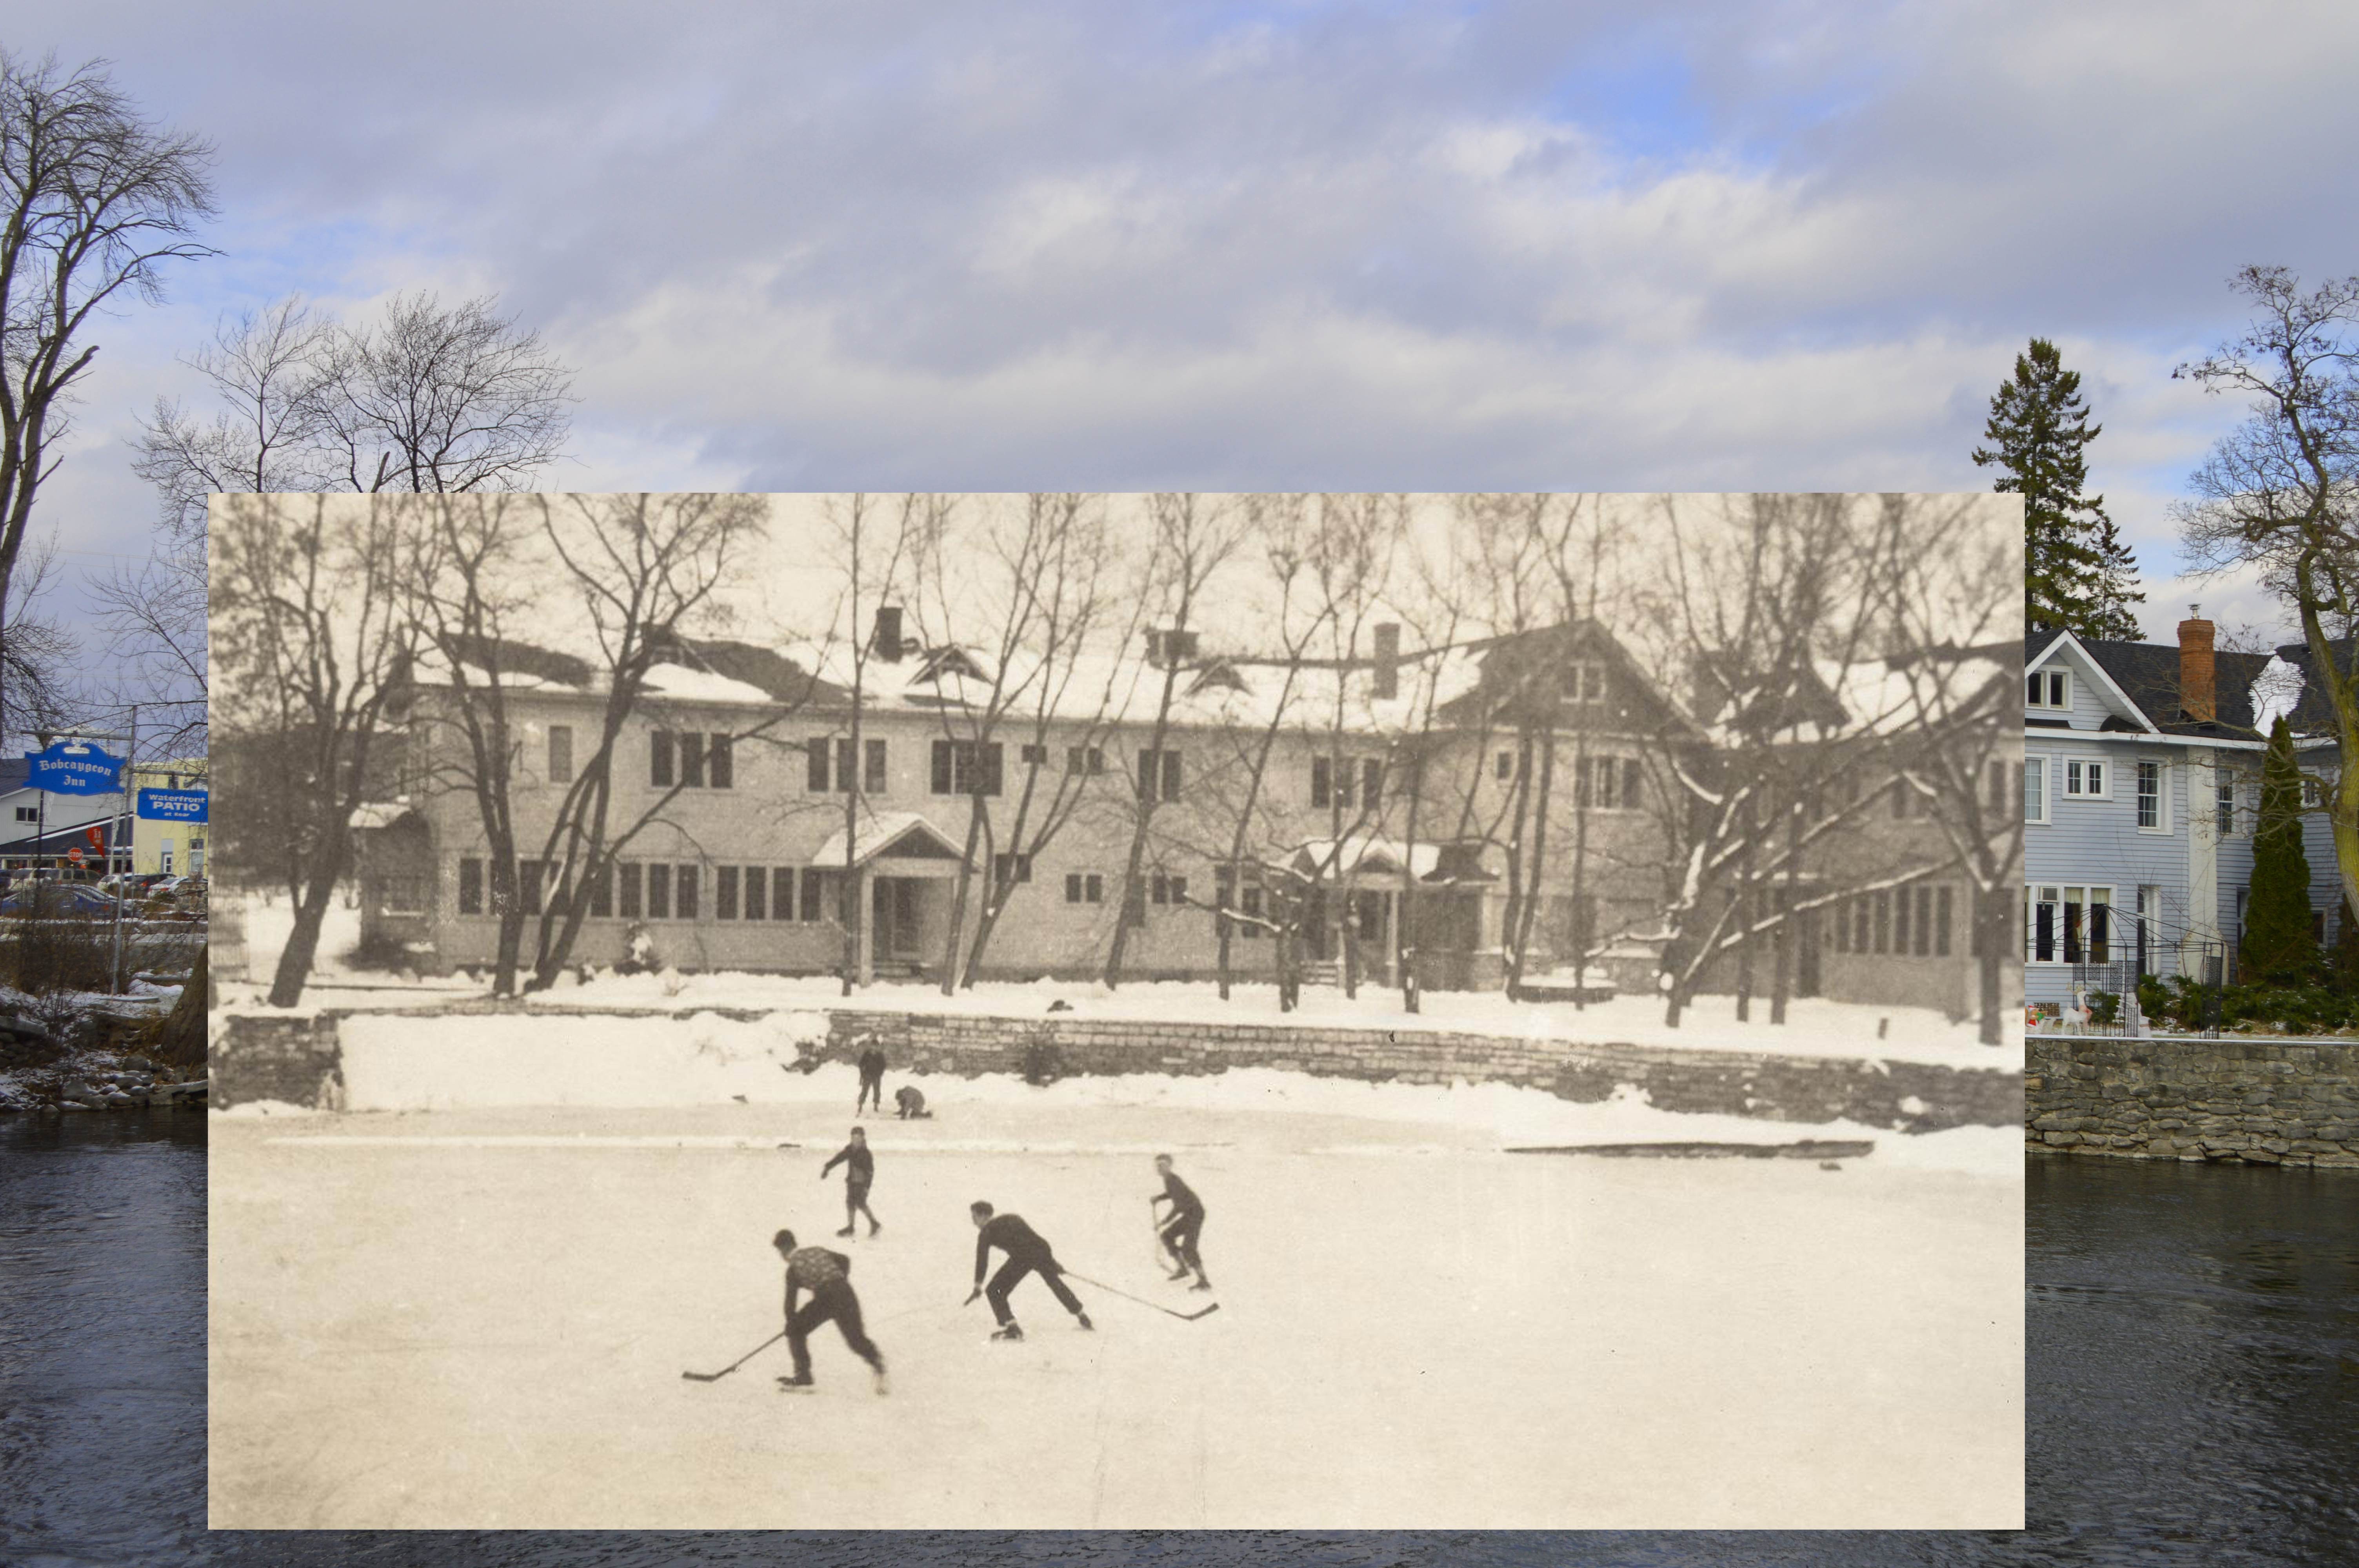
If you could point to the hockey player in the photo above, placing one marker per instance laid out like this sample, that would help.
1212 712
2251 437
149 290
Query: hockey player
859 1170
911 1103
872 1079
826 1276
1027 1254
1179 1229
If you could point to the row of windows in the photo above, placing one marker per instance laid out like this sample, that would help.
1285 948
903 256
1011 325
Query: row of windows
637 890
1904 922
2087 778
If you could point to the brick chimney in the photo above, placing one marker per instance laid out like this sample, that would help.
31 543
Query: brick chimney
1387 679
886 643
2197 691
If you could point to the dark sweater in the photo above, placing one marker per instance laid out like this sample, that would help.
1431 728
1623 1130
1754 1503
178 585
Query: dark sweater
1183 1196
1012 1236
862 1169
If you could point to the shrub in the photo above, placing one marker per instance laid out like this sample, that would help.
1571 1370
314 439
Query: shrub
1043 1063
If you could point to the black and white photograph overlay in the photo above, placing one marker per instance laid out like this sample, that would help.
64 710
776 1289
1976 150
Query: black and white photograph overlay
1158 1010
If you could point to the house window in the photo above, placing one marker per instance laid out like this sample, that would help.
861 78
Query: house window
721 762
871 775
1168 890
659 893
1085 888
1584 682
816 751
602 894
966 767
1942 920
402 893
1088 760
2150 797
1504 764
2312 797
1249 903
659 760
814 904
2048 688
684 891
1883 920
691 747
2068 924
28 813
1372 783
725 894
1032 756
2084 780
2224 808
1158 774
561 754
626 882
2035 789
1322 781
1900 920
1010 869
757 882
1601 781
471 886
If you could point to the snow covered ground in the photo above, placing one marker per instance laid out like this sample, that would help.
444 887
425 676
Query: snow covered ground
1816 1027
479 1318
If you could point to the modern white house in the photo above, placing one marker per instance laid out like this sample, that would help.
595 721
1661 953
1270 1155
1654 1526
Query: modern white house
2141 783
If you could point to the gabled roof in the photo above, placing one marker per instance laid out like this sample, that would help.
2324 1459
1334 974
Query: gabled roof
891 833
2129 714
2146 675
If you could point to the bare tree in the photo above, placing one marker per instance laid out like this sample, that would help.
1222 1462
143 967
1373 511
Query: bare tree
99 201
428 398
154 617
645 570
1193 539
2279 491
311 619
36 654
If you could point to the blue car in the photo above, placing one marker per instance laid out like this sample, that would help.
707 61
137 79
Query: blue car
67 899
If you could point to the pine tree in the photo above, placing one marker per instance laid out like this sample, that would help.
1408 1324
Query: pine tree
2077 572
2277 944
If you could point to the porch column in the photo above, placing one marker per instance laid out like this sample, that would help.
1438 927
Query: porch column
863 910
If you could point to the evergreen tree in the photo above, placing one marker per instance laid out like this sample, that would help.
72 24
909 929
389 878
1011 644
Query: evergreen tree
2277 944
2077 572
2344 961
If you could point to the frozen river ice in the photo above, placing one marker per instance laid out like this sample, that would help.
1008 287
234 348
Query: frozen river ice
479 1318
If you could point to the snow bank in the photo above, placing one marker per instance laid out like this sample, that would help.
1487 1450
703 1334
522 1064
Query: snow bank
393 1063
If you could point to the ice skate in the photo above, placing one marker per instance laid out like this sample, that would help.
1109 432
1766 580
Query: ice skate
1202 1285
881 1386
795 1383
845 1231
1007 1331
1083 1318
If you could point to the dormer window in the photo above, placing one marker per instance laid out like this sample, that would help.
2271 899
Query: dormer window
1584 681
2049 690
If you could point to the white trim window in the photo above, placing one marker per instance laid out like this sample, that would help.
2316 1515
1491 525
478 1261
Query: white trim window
2224 804
2068 925
2050 689
2085 778
2153 797
2313 797
2034 790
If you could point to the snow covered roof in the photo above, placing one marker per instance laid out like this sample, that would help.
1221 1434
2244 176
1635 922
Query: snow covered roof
890 833
377 814
1835 700
1360 852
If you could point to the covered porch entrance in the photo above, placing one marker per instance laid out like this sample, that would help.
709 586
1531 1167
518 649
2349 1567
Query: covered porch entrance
903 867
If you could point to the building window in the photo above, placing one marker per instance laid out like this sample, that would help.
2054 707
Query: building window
1322 781
1158 774
2084 780
2226 806
684 891
1008 869
814 904
2068 924
757 882
815 755
1372 783
1249 903
1166 890
1609 784
1032 756
561 754
659 760
1883 905
721 762
529 885
2311 795
966 767
2035 789
725 894
471 886
1584 682
28 813
2048 688
1088 760
659 893
2150 796
1504 764
627 884
873 773
1900 921
402 893
602 894
1085 888
690 746
1942 915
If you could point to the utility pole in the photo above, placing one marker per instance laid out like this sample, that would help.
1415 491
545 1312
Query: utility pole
122 877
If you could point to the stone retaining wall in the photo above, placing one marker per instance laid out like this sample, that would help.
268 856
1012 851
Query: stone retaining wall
295 1060
2283 1100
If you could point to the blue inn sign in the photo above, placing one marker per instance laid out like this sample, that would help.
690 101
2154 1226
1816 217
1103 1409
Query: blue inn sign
73 767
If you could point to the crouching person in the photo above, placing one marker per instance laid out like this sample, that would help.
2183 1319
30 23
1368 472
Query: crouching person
827 1277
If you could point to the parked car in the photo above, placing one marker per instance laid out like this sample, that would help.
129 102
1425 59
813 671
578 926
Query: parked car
58 901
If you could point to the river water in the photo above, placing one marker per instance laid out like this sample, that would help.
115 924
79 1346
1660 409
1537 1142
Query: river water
2193 1360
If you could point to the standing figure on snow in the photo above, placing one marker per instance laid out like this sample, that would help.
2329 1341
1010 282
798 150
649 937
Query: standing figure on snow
827 1276
859 1169
1179 1229
872 1079
912 1103
1026 1253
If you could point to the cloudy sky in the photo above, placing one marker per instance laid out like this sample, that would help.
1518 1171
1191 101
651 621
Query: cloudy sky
1679 246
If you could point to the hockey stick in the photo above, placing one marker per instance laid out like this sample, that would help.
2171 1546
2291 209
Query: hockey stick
716 1376
1142 1301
